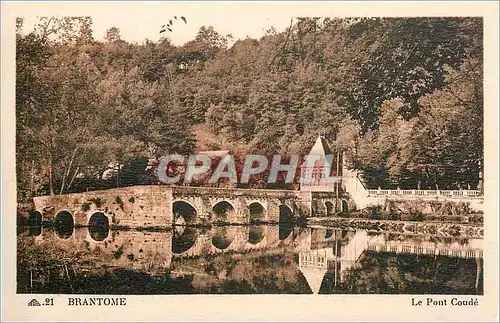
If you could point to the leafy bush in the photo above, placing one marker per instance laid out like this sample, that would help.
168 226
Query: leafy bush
477 218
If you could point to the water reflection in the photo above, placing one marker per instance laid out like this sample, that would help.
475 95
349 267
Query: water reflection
99 226
255 234
35 230
257 259
223 237
184 239
98 233
285 231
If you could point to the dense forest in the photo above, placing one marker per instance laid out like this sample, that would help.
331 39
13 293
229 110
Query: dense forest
401 97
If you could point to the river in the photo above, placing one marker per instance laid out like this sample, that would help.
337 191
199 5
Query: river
262 259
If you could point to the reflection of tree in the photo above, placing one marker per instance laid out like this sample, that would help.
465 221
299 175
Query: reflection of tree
262 275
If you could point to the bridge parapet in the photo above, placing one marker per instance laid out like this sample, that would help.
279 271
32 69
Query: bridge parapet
363 197
217 191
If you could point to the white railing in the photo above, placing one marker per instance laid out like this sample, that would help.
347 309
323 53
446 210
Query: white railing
425 250
423 193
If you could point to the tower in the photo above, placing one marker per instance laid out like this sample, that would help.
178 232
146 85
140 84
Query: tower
327 163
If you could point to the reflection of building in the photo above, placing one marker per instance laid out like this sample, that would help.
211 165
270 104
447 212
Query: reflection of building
337 259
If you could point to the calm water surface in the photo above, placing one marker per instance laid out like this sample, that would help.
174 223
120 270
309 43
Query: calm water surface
245 259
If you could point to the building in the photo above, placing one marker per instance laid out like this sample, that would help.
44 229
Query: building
328 164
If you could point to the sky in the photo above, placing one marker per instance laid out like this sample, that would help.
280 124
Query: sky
140 21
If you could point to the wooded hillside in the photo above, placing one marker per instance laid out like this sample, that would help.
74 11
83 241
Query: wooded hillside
403 98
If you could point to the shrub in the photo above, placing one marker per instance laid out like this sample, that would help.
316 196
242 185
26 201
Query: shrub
374 210
476 218
454 218
343 215
394 217
446 208
462 208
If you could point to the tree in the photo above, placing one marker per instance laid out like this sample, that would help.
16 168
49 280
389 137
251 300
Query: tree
50 96
112 35
449 131
402 97
406 59
206 45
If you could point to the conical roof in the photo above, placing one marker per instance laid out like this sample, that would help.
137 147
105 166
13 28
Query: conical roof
320 147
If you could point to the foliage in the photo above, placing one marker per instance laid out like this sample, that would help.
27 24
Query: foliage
383 273
402 97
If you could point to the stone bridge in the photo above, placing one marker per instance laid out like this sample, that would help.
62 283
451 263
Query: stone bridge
207 205
164 206
136 206
320 250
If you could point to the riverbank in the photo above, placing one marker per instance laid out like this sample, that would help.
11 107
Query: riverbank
404 227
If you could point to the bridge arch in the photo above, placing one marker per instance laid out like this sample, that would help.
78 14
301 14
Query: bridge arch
256 212
223 237
224 211
184 212
286 214
330 208
64 224
256 234
344 206
285 221
99 226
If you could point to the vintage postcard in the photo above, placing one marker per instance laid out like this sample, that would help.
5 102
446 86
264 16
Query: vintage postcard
250 161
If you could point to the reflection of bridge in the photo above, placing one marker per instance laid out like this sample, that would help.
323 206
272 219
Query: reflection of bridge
426 248
320 250
153 252
340 258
